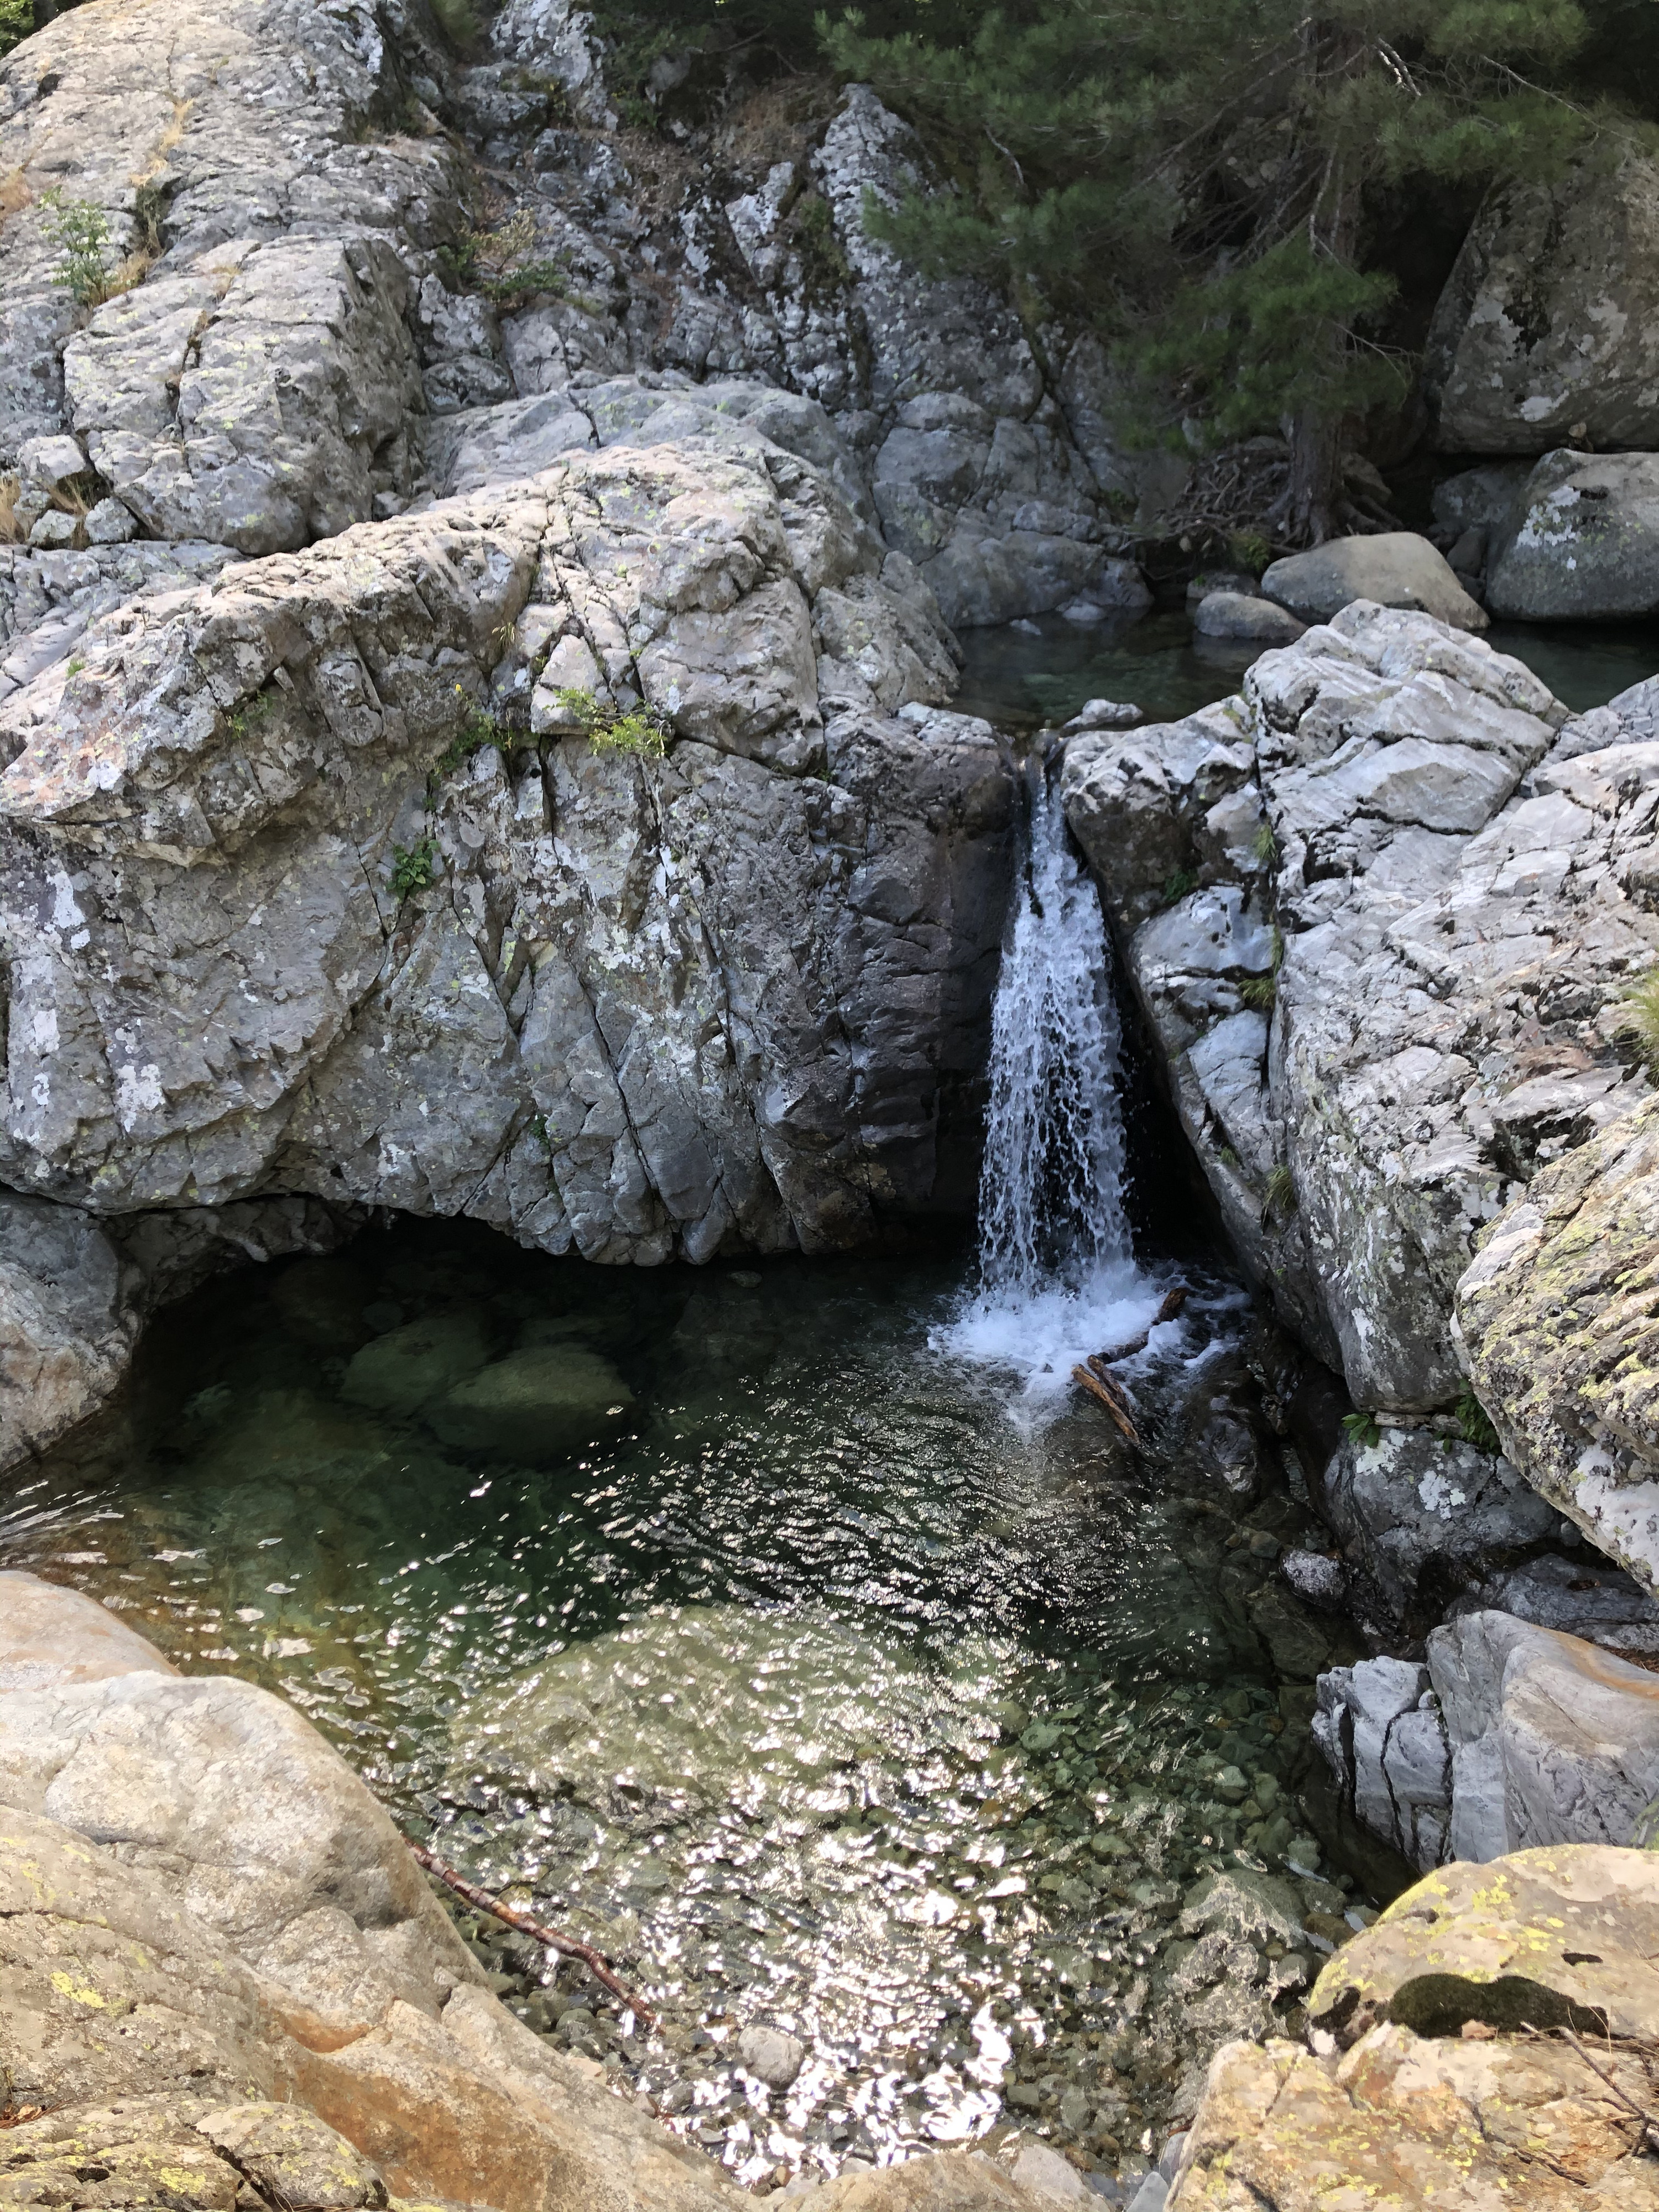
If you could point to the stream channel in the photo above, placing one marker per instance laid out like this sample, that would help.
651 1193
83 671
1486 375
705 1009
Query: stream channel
796 1632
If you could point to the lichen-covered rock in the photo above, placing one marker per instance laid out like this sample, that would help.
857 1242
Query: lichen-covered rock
1444 2069
1557 1316
1404 2120
1548 326
628 1006
1551 1937
1582 543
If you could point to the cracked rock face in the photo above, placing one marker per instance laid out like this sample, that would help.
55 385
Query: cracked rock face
732 999
1462 898
1556 1314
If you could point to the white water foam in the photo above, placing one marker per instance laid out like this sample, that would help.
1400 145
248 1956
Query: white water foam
1057 1277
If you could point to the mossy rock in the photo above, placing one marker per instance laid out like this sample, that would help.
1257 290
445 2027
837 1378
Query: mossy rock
541 1402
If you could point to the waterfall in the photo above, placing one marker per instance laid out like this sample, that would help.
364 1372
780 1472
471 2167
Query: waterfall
1051 1190
1057 1278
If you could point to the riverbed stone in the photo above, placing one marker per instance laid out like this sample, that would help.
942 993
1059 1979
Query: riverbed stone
48 1634
1252 619
1396 568
772 2055
542 1402
417 1362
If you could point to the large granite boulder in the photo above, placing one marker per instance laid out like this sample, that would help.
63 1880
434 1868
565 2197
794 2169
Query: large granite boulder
438 952
1395 568
1511 1736
1582 542
1380 912
1482 2044
1557 1316
1548 326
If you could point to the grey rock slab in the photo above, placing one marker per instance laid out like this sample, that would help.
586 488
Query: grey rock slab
1585 545
1545 327
1512 1737
1395 568
541 1402
251 400
642 1006
49 1635
246 123
1580 1596
1415 1503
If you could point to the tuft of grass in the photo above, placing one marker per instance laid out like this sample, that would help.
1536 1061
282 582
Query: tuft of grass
1177 886
1265 846
413 866
642 733
1278 1198
503 264
1260 993
1475 1423
1249 552
1640 1019
1363 1430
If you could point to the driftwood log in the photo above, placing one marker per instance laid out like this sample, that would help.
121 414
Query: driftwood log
1106 1392
1173 1301
553 1939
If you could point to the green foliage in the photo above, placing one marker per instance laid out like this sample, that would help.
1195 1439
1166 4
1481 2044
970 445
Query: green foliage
641 732
1475 1423
503 264
1248 551
1363 1430
247 717
1279 1199
1176 887
1207 181
1259 993
413 866
1640 1018
478 727
1265 846
80 231
458 22
16 22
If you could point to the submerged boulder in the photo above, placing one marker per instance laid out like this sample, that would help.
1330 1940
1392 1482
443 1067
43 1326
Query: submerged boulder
538 1403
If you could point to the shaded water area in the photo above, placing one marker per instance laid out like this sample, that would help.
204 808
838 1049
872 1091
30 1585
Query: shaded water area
1043 672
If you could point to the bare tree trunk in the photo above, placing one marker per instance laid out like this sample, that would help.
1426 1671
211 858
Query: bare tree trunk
1313 500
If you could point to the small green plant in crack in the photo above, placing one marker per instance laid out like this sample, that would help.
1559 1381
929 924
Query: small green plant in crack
1363 1430
247 719
1177 886
1640 1018
641 732
1260 993
1279 1197
413 867
1474 1424
1265 846
478 728
75 667
80 231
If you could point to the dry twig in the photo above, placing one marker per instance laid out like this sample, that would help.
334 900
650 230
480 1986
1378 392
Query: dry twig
568 1946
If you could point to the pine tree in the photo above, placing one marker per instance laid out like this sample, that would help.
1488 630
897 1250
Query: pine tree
1198 178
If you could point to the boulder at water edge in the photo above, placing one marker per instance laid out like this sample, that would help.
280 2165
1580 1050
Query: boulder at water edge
1396 569
1442 2097
1585 541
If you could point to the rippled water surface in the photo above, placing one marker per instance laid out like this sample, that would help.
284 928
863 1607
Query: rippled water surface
798 1661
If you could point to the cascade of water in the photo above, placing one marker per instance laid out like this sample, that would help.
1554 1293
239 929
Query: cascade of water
1056 1276
1051 1190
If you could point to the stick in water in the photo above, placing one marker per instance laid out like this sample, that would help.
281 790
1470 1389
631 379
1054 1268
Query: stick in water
566 1945
1107 1394
1171 1306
